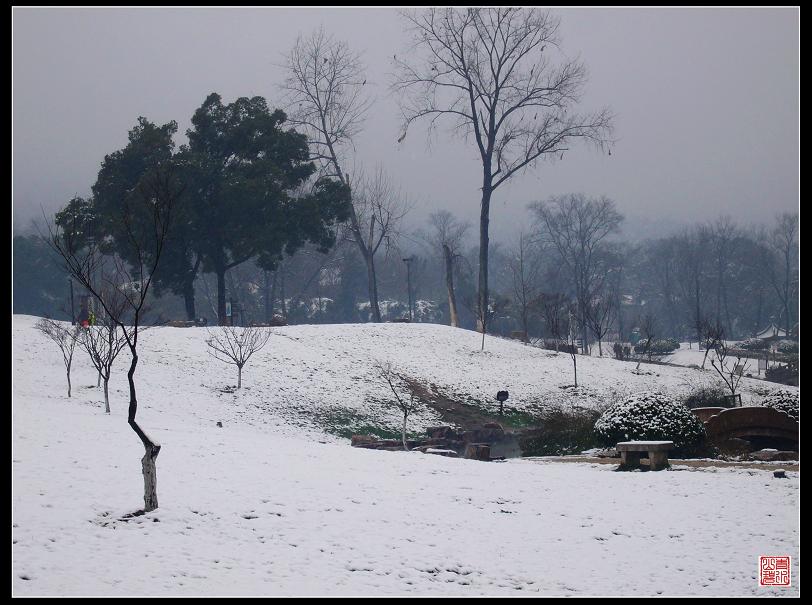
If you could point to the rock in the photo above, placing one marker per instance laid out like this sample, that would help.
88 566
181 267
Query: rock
478 451
780 473
734 446
442 432
767 455
359 439
220 424
441 452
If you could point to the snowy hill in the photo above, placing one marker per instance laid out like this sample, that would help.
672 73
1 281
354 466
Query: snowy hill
272 504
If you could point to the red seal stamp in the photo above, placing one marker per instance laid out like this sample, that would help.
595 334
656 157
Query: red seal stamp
773 571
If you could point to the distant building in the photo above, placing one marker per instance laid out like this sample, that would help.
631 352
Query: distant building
771 333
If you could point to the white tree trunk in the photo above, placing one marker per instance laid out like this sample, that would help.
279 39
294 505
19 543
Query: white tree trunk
405 447
106 397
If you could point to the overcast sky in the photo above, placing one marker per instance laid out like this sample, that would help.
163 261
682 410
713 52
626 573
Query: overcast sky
707 104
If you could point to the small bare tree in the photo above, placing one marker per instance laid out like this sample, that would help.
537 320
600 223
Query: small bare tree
648 333
559 318
711 335
103 342
446 236
235 346
64 337
730 371
405 392
145 215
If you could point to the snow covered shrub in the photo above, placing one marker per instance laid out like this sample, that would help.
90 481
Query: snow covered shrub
706 397
785 374
660 346
784 401
787 346
650 416
753 344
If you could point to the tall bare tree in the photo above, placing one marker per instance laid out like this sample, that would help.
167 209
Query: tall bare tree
498 74
378 209
784 278
577 228
524 267
64 337
150 202
446 236
326 97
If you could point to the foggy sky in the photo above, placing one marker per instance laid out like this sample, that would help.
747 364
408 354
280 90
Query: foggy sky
707 104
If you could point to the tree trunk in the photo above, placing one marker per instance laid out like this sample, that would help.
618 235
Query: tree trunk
449 284
151 449
600 348
484 221
372 285
68 373
150 477
189 299
282 295
575 369
403 432
221 296
106 397
239 377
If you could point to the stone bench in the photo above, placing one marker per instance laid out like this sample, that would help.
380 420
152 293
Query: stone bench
657 453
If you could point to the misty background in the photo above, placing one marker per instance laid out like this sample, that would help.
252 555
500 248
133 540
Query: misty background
706 103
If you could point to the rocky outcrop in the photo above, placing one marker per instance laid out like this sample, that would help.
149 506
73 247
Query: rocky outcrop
475 444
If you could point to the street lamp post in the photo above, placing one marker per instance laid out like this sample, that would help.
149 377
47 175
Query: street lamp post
408 262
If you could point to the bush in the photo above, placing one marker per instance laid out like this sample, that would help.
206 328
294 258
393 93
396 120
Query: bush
651 416
788 346
754 344
661 346
785 374
560 432
784 401
707 397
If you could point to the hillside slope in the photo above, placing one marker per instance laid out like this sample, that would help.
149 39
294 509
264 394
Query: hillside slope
270 504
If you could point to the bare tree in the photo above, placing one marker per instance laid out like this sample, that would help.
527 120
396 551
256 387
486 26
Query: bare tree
405 392
730 371
236 345
783 242
559 318
150 202
103 342
524 271
577 227
692 246
601 312
446 236
711 336
499 75
326 97
65 338
378 208
723 233
648 333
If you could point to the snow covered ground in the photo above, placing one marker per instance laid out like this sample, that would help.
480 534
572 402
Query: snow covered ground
271 504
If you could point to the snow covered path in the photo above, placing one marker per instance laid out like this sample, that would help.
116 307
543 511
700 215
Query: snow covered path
255 508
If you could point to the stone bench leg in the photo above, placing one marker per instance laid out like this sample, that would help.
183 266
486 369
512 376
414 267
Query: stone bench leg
630 459
658 460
